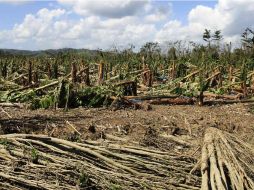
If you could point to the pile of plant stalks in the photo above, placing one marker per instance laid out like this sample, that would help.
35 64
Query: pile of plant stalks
41 162
227 162
30 161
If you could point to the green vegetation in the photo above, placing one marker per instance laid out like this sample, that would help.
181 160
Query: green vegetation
85 181
71 78
34 155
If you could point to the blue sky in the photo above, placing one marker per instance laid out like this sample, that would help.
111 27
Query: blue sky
106 23
181 9
14 13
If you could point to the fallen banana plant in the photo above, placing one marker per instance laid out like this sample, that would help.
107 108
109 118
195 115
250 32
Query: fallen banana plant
227 162
41 162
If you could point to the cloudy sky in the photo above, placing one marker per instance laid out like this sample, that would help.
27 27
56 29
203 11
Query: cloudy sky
103 24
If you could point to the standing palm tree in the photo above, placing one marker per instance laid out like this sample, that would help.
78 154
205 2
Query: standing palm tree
207 37
217 37
248 41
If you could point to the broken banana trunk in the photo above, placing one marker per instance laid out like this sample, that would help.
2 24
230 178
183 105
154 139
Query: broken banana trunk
227 162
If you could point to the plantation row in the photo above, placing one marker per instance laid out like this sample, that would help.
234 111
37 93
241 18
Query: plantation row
72 78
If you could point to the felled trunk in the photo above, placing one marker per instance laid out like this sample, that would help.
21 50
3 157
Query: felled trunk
227 162
172 101
129 88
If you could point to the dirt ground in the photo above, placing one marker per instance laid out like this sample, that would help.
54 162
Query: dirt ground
148 128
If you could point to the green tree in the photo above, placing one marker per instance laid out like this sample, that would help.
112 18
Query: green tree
207 37
248 38
217 37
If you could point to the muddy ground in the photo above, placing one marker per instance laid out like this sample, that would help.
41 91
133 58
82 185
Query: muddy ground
147 128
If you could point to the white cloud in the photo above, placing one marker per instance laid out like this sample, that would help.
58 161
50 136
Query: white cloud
37 26
94 32
50 14
103 24
106 8
50 29
158 14
230 16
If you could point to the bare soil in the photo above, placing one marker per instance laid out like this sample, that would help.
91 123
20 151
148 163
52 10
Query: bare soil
148 128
